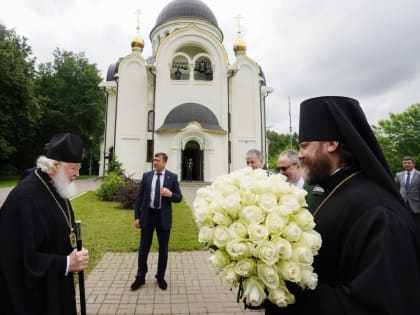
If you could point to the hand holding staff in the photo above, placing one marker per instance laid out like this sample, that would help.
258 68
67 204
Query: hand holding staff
78 228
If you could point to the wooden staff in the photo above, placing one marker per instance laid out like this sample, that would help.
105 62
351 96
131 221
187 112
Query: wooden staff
78 228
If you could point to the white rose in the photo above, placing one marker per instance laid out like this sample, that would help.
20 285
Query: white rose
275 223
248 198
268 275
280 184
238 249
304 219
220 218
283 210
245 267
278 297
267 202
292 232
230 278
221 236
257 232
313 240
202 192
263 185
301 194
283 247
219 259
254 291
251 214
303 254
232 205
205 235
216 203
309 279
267 252
290 201
290 270
202 211
238 229
281 295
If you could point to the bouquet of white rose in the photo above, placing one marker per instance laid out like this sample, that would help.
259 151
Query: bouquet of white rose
259 233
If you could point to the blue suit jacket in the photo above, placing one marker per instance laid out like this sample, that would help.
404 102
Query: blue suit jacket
141 210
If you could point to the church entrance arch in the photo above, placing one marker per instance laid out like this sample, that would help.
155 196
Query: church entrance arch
192 162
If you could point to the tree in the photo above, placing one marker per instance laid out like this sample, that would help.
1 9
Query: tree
71 99
279 143
20 111
400 136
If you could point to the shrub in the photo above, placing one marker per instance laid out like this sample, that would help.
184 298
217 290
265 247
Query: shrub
110 186
127 193
115 166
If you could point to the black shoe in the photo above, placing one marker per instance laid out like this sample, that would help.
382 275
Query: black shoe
137 284
163 285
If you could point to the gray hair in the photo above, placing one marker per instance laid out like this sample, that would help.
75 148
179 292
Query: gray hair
292 155
45 164
255 153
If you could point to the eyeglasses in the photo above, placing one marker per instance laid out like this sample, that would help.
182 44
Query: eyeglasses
284 168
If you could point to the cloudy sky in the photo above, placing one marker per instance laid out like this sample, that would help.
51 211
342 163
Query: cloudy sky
366 49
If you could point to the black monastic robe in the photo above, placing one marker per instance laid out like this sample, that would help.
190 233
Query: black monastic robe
369 262
34 244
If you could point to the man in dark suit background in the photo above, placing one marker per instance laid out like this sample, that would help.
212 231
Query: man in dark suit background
153 210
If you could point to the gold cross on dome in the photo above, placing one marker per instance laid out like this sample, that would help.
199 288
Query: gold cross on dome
238 24
138 13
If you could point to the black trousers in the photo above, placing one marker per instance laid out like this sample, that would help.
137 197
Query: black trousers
146 243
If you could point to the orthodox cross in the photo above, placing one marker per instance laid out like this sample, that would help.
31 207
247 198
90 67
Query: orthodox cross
238 24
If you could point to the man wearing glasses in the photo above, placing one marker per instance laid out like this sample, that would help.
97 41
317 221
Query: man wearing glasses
288 164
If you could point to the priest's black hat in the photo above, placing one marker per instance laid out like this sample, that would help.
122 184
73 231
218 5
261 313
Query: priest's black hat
338 118
65 147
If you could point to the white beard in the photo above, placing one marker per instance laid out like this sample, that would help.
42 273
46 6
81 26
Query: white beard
65 188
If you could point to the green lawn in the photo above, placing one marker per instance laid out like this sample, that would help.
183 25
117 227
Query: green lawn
8 181
106 227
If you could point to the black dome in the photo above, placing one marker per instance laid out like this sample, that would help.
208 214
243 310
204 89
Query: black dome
186 9
112 70
180 116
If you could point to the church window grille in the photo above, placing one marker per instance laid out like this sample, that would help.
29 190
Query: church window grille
180 68
203 69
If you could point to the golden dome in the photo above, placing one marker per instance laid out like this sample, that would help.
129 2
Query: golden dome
239 46
137 43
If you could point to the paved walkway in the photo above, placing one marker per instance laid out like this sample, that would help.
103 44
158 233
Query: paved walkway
193 287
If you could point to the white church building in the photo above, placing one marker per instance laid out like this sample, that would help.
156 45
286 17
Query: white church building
186 100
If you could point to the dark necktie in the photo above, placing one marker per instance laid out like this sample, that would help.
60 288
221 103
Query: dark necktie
407 181
156 202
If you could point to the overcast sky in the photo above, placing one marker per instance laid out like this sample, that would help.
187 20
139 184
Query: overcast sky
366 49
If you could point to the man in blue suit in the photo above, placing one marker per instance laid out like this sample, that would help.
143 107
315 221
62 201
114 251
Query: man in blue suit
153 210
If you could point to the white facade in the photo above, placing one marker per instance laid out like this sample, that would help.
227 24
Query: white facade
186 100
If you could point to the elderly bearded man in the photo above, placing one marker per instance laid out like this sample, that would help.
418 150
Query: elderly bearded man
37 240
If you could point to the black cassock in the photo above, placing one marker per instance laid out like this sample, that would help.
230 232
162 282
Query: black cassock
369 260
34 244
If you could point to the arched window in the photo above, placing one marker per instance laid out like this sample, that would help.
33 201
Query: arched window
203 69
180 68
